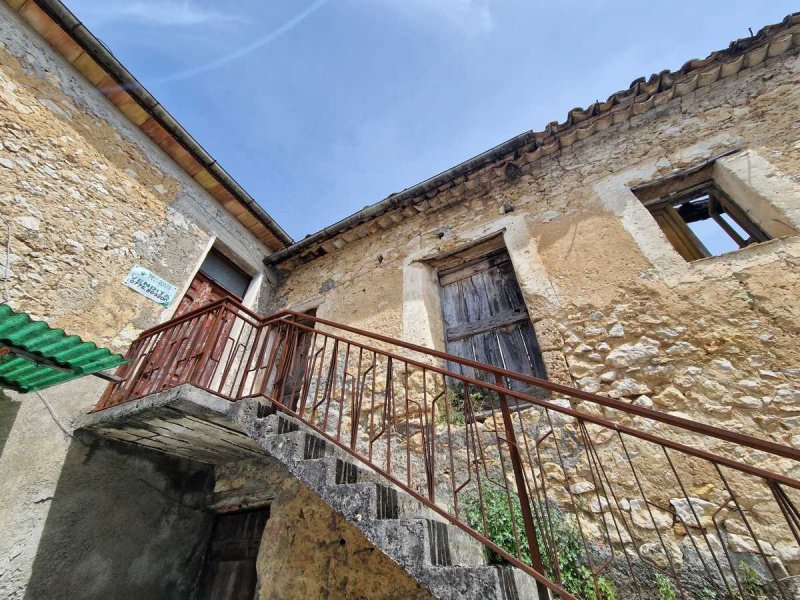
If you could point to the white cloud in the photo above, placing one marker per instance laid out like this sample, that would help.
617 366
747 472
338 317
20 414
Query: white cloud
169 13
470 16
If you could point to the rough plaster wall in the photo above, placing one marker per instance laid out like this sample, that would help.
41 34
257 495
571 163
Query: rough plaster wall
307 550
87 196
714 340
122 522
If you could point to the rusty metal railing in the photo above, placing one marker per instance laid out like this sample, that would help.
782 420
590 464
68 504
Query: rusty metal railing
585 493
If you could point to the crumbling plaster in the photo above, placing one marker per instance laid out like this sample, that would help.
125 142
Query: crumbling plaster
117 522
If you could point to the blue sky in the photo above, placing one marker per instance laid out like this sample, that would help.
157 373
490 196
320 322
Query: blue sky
321 107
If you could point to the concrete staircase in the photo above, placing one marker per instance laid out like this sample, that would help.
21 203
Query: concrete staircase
192 423
442 557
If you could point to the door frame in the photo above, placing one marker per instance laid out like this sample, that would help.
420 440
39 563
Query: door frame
229 510
254 271
494 253
421 320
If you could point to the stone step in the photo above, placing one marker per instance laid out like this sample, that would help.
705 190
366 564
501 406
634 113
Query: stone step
441 556
500 582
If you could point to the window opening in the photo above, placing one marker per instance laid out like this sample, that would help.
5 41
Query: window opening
703 221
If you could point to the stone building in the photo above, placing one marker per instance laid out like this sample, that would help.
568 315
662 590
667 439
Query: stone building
641 257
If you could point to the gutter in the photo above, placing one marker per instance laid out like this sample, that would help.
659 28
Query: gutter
103 56
404 198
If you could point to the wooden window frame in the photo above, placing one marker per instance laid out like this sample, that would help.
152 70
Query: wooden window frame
677 229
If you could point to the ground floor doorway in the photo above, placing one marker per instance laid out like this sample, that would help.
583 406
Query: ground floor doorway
230 568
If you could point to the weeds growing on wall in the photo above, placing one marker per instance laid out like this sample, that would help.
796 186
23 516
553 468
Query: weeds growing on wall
504 526
458 405
664 587
503 517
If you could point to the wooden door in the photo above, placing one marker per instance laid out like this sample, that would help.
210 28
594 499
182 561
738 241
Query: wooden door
293 368
230 569
202 291
486 319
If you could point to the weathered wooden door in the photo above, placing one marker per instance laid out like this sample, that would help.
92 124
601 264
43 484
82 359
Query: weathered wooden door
202 291
294 364
486 319
230 570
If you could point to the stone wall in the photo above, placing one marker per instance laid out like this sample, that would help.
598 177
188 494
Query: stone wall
86 196
598 275
616 309
307 550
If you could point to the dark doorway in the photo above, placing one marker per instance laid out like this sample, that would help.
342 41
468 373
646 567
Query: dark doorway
230 571
486 319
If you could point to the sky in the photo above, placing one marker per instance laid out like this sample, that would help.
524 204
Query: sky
321 107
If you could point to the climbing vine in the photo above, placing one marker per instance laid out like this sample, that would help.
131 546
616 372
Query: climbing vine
458 404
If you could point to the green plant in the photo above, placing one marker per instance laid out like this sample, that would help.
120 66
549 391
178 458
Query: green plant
751 582
456 409
664 587
503 516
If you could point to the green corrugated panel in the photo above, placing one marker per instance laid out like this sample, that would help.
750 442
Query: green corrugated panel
18 330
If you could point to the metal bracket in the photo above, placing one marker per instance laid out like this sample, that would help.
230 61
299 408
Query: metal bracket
40 360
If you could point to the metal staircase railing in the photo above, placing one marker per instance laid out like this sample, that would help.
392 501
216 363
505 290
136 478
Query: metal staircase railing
639 493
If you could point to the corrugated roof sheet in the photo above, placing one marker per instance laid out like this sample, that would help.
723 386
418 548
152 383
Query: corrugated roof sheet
71 356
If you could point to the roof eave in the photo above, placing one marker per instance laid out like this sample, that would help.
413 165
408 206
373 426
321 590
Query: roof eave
641 96
180 145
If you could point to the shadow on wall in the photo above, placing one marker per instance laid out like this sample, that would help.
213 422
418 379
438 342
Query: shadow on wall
125 522
8 414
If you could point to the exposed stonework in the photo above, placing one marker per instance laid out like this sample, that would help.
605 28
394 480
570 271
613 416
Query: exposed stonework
87 196
635 320
327 556
307 550
621 313
616 310
336 529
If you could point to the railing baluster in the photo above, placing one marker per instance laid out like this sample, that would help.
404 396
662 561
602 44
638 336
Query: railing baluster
519 477
296 361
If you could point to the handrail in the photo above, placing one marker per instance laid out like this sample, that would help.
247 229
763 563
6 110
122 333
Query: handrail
207 308
784 451
412 420
649 413
711 430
